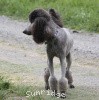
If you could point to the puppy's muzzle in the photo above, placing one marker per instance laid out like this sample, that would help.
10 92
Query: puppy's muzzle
27 32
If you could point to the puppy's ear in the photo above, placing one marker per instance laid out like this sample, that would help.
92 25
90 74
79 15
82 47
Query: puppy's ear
38 31
41 31
56 17
54 13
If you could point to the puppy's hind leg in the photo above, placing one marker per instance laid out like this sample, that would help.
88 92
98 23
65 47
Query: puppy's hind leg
46 78
68 72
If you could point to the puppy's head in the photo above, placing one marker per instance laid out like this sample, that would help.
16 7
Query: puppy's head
38 13
39 28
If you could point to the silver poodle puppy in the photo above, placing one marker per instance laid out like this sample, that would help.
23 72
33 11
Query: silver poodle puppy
47 27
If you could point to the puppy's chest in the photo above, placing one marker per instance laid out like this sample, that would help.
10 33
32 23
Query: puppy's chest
54 49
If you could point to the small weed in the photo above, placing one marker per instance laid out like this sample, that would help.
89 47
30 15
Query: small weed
4 84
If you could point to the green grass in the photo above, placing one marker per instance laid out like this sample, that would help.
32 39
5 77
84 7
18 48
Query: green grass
76 14
8 90
4 85
19 91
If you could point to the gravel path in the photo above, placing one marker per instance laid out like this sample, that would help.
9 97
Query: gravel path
17 48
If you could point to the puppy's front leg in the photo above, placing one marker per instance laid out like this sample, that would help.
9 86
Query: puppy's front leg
52 78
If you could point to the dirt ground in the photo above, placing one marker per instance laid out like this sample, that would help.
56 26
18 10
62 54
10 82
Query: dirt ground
23 61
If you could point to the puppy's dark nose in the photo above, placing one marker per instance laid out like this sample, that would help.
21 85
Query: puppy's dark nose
27 32
24 31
